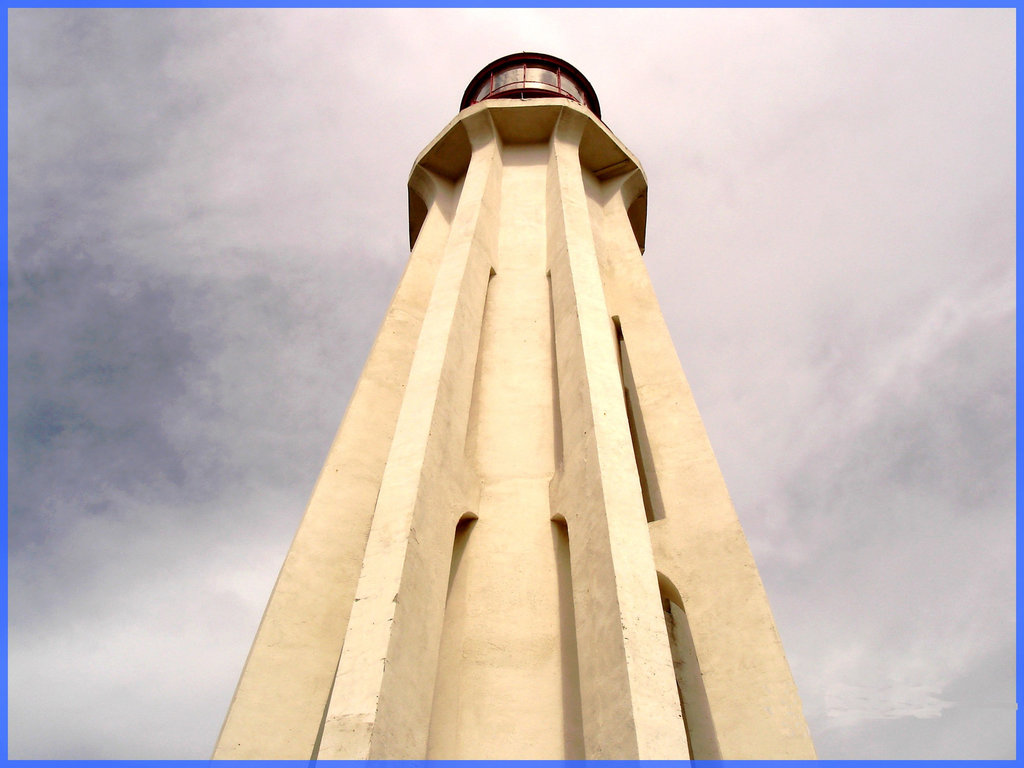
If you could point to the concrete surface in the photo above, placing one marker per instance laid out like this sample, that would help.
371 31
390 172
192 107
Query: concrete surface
476 575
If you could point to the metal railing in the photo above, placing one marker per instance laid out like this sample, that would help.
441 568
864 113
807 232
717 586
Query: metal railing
530 80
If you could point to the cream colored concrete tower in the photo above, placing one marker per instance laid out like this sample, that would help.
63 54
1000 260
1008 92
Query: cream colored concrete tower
520 545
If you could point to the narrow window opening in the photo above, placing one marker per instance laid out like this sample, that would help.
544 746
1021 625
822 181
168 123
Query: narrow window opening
677 663
442 736
470 441
693 700
637 432
459 548
555 405
572 707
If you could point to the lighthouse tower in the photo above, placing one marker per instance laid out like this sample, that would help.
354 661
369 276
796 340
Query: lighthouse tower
520 544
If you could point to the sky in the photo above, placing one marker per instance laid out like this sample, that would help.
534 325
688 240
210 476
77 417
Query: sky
207 219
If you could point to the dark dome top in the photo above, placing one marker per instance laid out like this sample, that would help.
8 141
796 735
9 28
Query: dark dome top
531 76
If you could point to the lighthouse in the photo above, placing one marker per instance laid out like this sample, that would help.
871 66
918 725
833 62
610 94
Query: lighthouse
520 545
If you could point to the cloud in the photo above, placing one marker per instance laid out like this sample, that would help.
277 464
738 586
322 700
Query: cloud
859 703
874 540
145 639
94 366
977 720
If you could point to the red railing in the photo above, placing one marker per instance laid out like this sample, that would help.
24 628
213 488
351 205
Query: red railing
531 75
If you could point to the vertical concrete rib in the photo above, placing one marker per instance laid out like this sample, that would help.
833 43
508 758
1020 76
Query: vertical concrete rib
283 690
629 701
700 546
385 679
